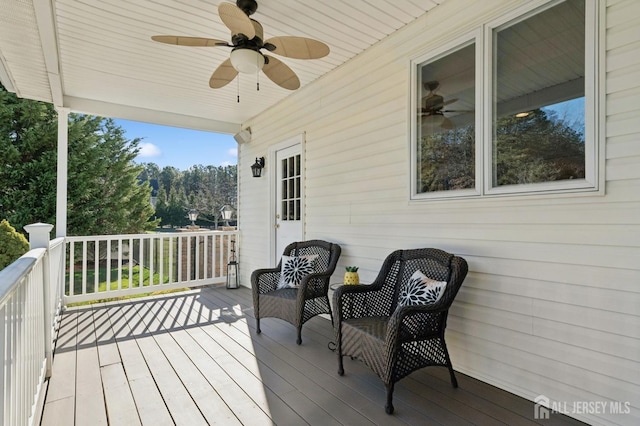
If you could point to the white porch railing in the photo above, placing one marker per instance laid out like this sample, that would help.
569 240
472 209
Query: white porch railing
34 289
107 266
30 296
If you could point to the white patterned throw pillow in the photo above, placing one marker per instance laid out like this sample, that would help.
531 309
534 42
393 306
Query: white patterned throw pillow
294 268
420 290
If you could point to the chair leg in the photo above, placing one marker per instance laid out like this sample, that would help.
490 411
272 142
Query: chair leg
330 313
258 326
299 339
454 381
339 351
388 408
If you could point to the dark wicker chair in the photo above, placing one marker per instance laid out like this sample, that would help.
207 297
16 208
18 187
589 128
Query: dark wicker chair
396 340
296 305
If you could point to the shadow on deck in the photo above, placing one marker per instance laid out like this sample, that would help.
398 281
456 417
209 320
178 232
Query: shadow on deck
194 358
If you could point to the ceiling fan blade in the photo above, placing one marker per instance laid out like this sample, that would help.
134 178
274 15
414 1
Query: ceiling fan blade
236 20
223 75
298 47
281 74
189 41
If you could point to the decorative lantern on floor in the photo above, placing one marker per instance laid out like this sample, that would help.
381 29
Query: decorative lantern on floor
232 268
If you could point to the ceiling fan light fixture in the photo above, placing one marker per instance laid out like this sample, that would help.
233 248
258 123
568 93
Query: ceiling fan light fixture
247 61
433 119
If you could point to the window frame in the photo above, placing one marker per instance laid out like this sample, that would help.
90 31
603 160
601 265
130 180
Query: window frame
461 42
482 35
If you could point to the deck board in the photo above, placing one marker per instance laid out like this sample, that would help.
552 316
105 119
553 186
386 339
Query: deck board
195 358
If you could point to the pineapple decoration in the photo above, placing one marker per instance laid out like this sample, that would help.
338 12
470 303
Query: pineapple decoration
351 276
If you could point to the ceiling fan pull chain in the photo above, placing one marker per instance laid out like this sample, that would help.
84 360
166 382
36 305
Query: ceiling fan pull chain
238 80
258 74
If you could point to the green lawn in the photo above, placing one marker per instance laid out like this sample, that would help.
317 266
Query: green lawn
127 282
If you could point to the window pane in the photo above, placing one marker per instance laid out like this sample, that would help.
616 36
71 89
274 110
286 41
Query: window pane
539 111
446 122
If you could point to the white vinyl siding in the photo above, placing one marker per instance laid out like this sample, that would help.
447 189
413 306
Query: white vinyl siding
551 304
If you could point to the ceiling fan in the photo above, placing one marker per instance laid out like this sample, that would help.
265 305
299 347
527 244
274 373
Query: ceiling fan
247 41
432 109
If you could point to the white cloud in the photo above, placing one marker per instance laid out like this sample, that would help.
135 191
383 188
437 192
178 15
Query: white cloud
233 152
149 150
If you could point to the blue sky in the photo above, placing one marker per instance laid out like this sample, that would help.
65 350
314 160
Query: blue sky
180 148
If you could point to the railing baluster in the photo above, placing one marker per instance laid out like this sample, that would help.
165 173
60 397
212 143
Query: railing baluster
119 263
108 265
3 350
179 258
223 244
84 267
151 258
196 264
11 354
161 259
22 354
130 263
171 259
96 265
205 256
141 264
188 259
72 268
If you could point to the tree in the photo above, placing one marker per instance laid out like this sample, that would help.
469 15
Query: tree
537 148
104 194
448 160
12 244
204 188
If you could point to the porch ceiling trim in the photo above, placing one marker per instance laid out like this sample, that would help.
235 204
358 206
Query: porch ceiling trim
46 28
128 112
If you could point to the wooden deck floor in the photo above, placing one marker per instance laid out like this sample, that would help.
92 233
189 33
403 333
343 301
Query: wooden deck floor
194 358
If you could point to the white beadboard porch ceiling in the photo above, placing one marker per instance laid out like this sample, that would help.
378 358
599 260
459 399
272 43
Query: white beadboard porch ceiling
96 56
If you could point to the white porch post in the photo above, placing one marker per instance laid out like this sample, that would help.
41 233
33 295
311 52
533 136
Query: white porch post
39 238
61 187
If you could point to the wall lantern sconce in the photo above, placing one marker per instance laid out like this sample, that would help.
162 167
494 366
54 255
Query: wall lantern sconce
232 268
257 167
193 216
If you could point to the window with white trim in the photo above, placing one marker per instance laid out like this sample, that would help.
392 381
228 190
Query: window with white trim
509 109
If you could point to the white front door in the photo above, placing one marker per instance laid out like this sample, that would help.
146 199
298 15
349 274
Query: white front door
289 203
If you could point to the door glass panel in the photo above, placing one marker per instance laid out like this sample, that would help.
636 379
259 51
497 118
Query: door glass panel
291 191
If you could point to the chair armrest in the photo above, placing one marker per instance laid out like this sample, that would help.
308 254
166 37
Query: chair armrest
357 301
265 280
315 284
415 322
